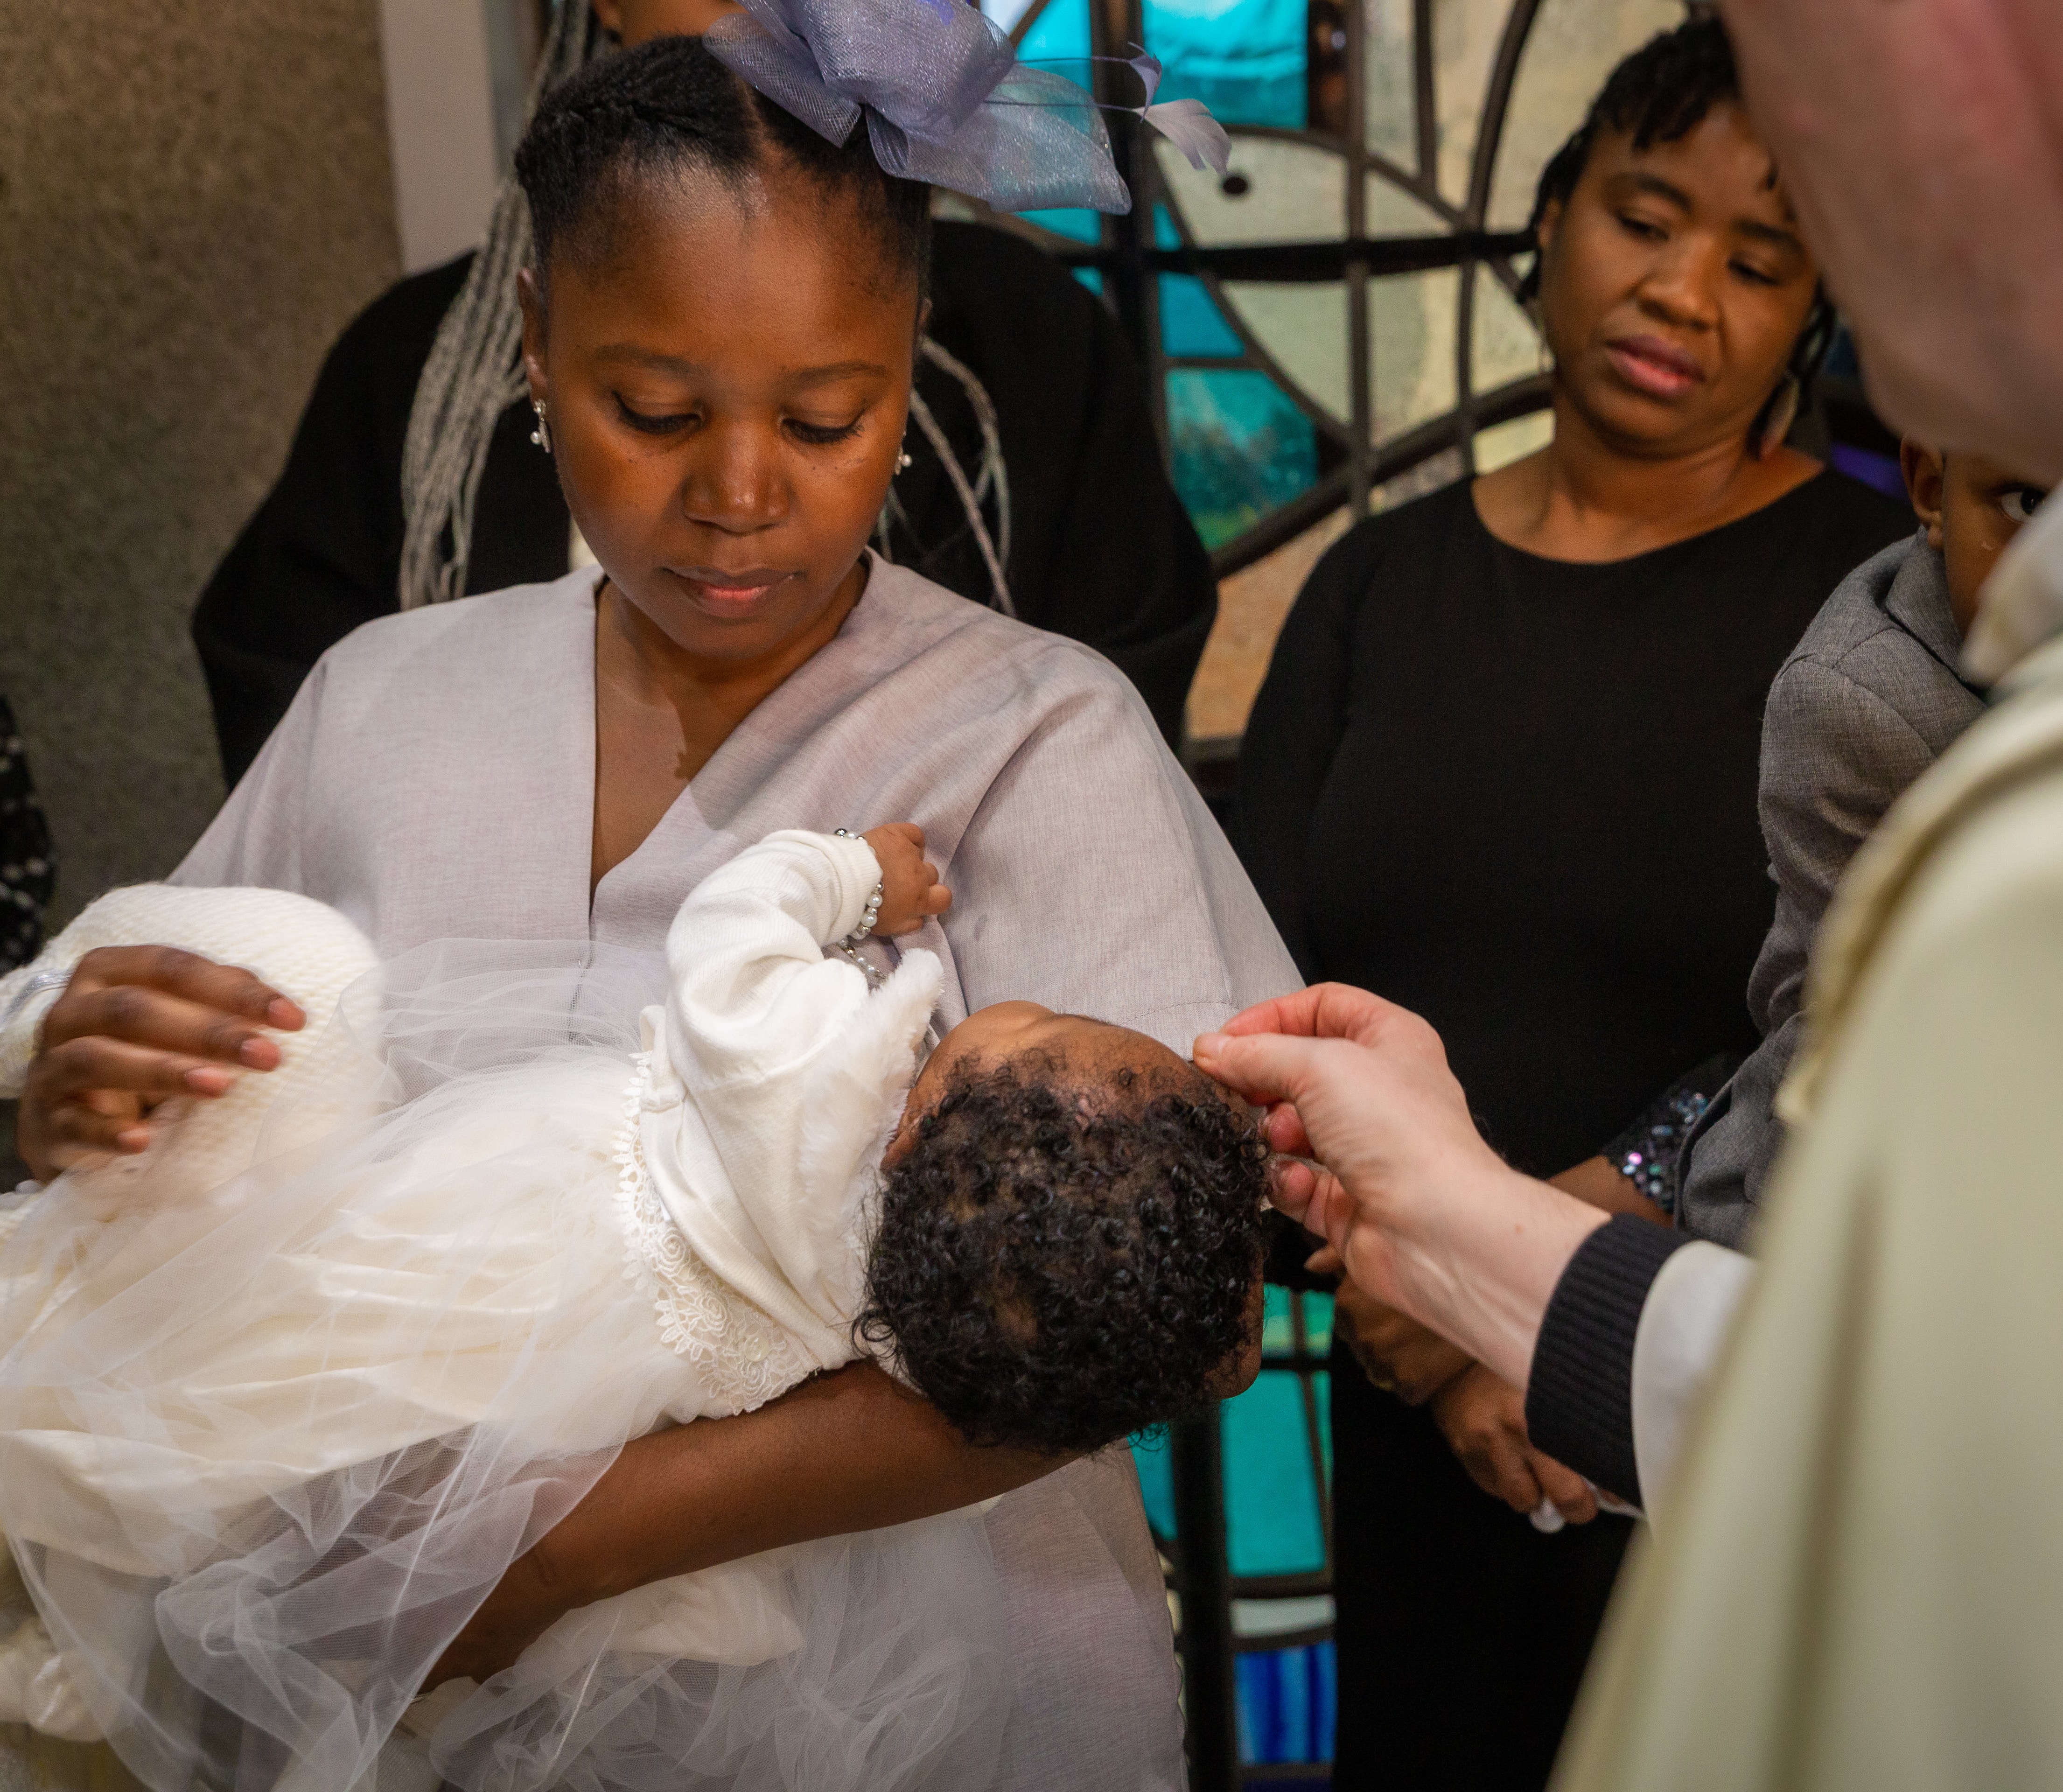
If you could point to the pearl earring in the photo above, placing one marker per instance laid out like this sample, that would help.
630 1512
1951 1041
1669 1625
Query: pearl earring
542 434
902 460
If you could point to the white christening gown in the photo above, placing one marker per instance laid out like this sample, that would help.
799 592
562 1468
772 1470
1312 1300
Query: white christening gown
282 1398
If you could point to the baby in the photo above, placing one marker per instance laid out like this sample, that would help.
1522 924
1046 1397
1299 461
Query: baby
282 1397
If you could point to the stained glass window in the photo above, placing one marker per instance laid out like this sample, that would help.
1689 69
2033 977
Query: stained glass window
1331 326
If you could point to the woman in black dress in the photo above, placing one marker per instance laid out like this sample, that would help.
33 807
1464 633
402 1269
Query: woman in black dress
1503 771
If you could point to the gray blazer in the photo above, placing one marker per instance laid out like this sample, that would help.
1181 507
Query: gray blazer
1867 700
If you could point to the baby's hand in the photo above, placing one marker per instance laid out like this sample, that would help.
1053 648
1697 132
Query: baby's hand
910 891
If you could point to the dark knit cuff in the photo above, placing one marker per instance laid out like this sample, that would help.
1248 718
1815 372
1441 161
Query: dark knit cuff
1579 1396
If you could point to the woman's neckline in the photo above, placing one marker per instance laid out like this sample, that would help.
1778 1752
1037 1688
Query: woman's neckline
1701 536
709 774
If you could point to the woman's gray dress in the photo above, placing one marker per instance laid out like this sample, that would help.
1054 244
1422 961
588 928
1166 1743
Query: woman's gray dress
435 779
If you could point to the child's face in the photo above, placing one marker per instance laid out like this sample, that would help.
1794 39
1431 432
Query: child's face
1971 508
728 375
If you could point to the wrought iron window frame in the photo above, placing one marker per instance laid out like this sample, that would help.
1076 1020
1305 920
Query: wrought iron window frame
1127 257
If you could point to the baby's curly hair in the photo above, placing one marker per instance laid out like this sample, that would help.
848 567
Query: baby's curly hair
1057 1266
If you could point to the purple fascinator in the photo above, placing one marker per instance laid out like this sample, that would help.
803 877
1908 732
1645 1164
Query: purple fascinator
945 99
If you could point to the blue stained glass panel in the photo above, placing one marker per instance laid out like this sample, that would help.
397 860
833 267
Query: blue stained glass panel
1240 448
1191 322
1245 59
1272 1522
1091 278
1289 1705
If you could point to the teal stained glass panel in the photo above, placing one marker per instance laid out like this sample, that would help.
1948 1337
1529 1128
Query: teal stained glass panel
1278 1336
1265 1446
1191 322
1241 449
1272 1519
1083 226
1155 1461
1245 59
1060 35
1318 1324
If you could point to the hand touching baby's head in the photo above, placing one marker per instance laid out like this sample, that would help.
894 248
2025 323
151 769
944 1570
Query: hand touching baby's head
1070 1241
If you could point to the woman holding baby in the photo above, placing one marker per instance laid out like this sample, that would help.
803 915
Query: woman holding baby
719 328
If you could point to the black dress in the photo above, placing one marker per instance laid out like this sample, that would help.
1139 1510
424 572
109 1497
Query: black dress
1101 548
1517 795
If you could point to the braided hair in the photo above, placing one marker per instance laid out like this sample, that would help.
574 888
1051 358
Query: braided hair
474 372
1659 95
668 106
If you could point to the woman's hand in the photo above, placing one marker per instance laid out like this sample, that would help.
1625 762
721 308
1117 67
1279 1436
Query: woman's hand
910 891
135 1026
1483 1420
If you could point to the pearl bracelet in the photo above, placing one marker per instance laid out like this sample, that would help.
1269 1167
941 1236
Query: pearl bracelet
851 943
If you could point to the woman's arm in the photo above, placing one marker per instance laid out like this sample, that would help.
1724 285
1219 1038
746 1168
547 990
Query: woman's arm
849 1451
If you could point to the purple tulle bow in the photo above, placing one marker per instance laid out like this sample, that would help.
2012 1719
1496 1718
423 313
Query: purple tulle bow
945 99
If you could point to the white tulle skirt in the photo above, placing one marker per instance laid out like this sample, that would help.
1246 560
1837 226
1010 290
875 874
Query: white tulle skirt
266 1444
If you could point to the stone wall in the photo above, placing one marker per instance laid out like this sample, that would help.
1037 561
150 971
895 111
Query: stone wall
195 198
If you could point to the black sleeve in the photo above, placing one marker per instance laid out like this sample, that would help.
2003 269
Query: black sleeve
1293 736
1579 1396
1102 550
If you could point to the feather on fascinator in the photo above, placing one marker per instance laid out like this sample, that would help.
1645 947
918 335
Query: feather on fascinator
946 99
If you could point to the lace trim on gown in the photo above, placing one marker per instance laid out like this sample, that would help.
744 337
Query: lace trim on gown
745 1358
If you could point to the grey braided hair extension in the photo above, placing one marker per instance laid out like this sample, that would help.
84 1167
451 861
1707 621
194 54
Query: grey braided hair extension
475 370
996 549
994 471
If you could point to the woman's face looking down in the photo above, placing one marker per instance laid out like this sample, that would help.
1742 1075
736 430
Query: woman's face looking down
726 370
1674 285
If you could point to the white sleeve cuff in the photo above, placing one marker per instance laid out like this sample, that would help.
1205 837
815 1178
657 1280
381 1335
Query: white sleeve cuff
1689 1311
26 997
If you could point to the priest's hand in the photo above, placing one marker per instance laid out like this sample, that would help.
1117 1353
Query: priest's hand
1382 1159
135 1026
1396 1353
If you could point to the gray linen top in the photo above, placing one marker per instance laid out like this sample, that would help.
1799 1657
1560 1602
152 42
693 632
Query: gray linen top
435 779
1869 699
